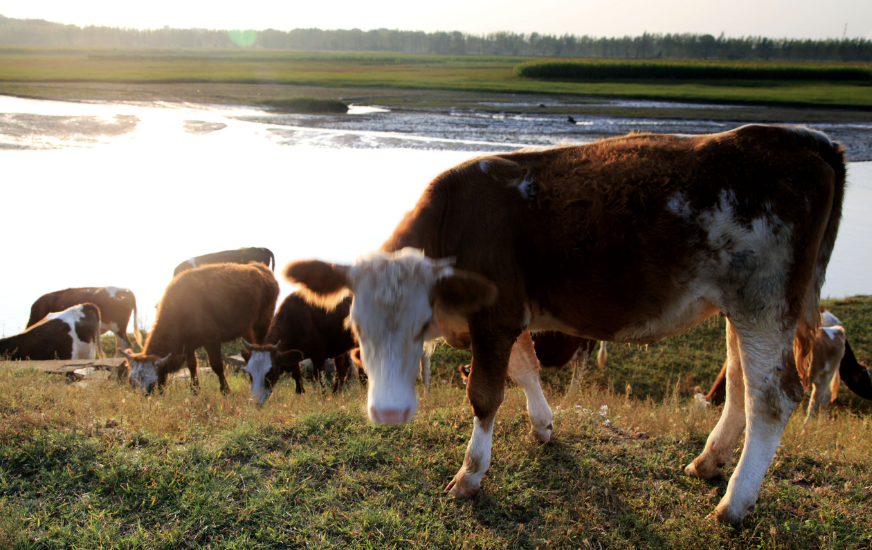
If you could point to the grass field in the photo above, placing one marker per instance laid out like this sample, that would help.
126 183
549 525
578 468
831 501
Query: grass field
373 70
98 466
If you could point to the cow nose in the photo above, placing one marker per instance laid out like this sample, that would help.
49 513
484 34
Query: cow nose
391 416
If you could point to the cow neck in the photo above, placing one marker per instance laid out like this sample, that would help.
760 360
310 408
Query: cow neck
423 227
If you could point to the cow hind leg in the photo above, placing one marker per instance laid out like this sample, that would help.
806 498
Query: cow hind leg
772 391
723 438
524 370
217 364
485 390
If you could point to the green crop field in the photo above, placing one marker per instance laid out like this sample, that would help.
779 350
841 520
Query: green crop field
19 65
99 466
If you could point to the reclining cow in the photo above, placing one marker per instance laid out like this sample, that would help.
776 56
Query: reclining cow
203 308
116 305
299 330
630 239
241 256
73 333
833 361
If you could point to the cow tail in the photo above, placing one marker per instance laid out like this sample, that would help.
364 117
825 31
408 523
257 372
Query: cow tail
136 334
810 319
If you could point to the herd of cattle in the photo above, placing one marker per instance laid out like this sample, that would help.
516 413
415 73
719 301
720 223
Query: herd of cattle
528 259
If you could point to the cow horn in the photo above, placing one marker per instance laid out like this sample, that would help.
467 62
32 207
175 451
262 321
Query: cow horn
278 343
165 359
246 344
127 354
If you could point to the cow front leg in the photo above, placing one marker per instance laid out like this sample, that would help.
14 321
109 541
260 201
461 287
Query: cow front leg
524 370
485 390
217 364
721 442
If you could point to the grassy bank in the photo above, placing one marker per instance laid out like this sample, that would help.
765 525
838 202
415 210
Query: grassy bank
371 70
98 466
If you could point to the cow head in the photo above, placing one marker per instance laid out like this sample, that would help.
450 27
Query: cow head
401 299
145 370
265 364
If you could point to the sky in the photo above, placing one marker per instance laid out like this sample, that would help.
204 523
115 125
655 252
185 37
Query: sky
771 18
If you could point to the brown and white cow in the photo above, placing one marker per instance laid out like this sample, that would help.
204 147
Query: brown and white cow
241 256
833 361
202 308
73 333
318 334
630 239
116 305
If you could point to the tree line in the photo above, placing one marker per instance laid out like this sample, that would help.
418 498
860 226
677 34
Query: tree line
647 46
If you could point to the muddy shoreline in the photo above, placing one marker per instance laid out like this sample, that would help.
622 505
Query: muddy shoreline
457 113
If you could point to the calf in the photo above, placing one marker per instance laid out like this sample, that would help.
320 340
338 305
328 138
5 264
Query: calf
630 239
317 333
204 307
73 333
241 256
116 305
831 349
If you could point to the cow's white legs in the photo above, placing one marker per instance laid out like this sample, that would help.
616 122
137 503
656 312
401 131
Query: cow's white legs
485 390
772 391
476 461
722 440
524 370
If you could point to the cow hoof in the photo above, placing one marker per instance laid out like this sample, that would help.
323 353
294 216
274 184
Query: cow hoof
725 516
458 489
693 470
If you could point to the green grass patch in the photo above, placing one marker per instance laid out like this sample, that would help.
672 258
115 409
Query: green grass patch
307 105
91 466
395 71
689 70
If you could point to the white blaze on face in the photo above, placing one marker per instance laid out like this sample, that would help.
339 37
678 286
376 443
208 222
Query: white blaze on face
143 375
258 366
392 317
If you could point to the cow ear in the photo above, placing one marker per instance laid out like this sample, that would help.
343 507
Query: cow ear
324 284
290 357
463 292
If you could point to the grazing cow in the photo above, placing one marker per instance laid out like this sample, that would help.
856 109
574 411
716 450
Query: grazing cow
298 325
241 256
831 349
630 239
116 304
73 333
204 307
555 350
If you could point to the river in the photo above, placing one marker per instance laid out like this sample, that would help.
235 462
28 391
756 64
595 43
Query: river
118 194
